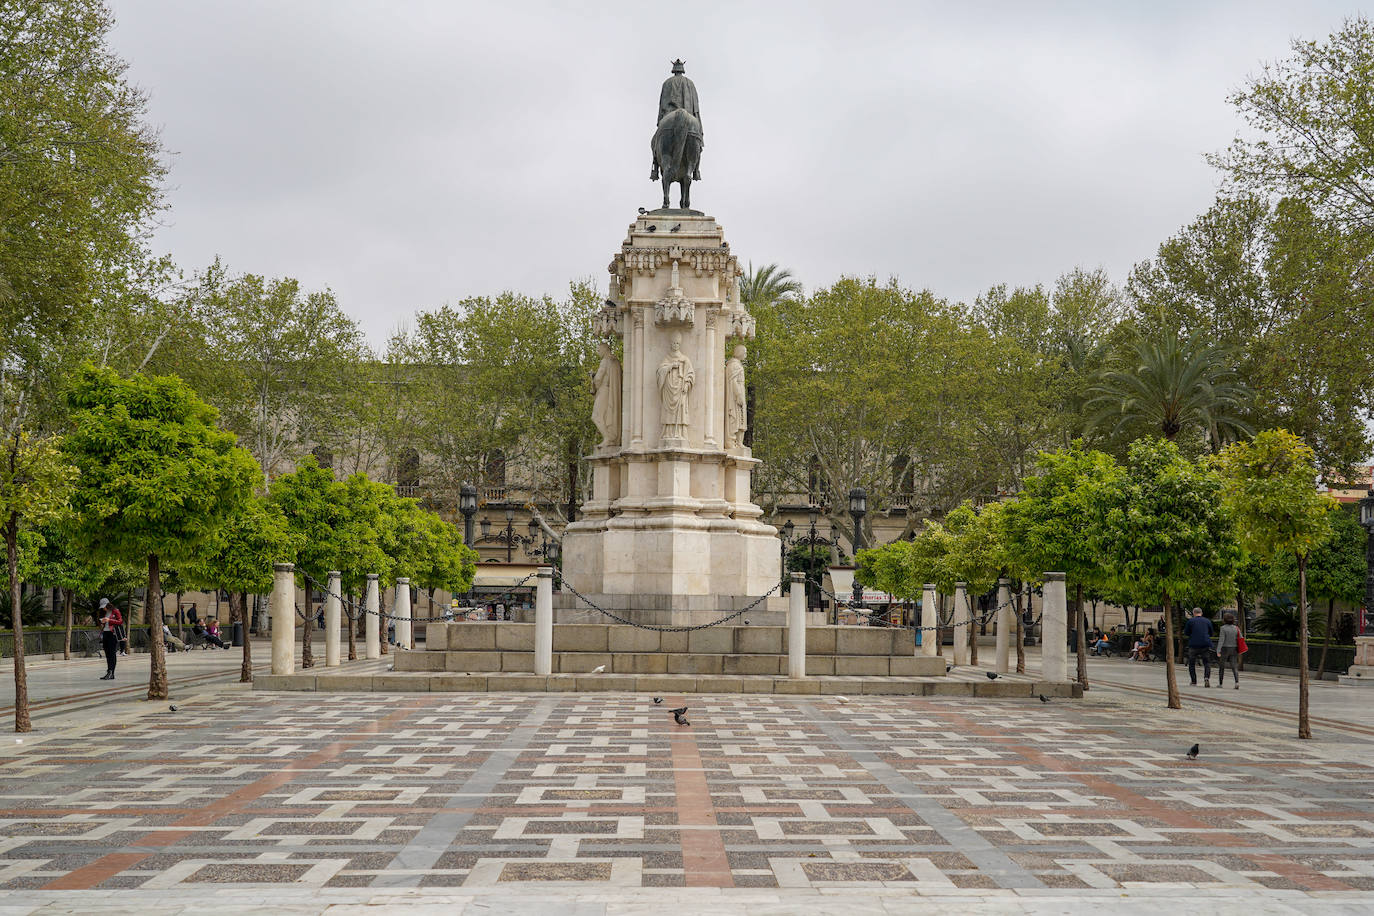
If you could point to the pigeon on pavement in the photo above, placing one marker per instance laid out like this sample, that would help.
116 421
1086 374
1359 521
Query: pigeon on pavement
598 669
1192 752
1044 699
992 675
172 708
658 700
680 715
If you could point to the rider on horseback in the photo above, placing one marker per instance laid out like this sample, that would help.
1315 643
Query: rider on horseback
678 93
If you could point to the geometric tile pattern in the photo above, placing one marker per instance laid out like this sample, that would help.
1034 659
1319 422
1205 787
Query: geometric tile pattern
939 795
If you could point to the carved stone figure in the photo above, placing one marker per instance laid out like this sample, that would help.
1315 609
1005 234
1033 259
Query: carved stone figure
736 403
678 142
606 405
675 379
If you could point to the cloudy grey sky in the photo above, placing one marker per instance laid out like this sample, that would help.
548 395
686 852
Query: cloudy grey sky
409 153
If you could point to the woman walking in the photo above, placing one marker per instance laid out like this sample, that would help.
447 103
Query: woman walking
110 622
1228 649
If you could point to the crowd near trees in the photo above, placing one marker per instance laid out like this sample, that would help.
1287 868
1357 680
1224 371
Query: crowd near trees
1160 441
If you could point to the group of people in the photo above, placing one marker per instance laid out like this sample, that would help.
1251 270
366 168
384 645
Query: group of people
114 641
1198 631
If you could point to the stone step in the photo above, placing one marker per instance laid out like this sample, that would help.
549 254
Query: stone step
508 636
1007 687
493 660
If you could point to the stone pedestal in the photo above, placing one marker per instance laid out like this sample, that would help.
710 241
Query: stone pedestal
1361 674
671 519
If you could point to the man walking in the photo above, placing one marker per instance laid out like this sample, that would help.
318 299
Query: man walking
1198 629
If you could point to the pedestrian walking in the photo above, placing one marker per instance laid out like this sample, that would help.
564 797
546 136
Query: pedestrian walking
111 621
1228 649
1198 629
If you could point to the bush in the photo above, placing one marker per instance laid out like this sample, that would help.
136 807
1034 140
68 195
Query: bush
1279 618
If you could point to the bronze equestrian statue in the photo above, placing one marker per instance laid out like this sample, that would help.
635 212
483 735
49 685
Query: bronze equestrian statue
677 143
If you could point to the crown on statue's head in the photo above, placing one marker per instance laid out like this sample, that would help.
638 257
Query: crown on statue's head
679 66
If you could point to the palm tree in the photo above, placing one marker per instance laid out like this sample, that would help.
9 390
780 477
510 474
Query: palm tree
769 284
1170 385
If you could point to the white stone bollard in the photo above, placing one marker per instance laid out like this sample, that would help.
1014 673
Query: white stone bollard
796 627
1054 630
1006 620
963 622
332 610
401 610
543 622
930 620
372 604
283 611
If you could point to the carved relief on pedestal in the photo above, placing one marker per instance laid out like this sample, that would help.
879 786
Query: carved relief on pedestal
609 321
741 325
676 376
674 308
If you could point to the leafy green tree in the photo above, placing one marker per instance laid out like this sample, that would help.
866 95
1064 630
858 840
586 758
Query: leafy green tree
157 477
1167 526
445 562
1309 117
1056 524
238 558
1271 486
1336 571
35 483
1168 386
977 557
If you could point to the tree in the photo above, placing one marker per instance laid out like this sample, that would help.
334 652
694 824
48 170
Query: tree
1309 117
977 557
768 285
1056 524
1166 526
158 477
1169 386
35 482
1336 571
238 557
1271 486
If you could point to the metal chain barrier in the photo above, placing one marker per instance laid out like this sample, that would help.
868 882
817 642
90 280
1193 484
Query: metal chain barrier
644 626
346 603
978 620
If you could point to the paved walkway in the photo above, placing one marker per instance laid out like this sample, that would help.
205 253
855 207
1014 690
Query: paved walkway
765 804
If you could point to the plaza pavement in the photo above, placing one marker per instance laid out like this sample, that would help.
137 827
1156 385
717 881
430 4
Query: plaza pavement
592 804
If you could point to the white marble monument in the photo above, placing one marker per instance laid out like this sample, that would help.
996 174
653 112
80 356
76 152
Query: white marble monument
671 530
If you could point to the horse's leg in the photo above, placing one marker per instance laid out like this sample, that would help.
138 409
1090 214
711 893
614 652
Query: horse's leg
686 185
667 181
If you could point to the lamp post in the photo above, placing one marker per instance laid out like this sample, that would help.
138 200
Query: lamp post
1367 520
467 505
858 508
784 541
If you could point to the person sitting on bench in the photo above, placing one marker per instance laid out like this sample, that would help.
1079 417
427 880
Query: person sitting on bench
212 633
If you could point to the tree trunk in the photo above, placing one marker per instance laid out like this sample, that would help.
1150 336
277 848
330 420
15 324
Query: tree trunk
1326 640
1170 672
352 631
245 610
308 633
1020 635
382 620
157 675
21 674
177 615
67 615
1082 628
1304 726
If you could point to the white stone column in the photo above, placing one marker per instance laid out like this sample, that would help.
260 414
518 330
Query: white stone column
963 620
283 612
930 620
796 627
401 609
1006 620
543 622
636 367
332 609
1054 630
372 604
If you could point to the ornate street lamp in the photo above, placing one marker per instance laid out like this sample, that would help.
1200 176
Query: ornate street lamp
510 531
467 505
784 540
858 508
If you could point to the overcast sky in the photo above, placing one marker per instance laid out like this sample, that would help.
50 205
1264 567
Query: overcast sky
405 154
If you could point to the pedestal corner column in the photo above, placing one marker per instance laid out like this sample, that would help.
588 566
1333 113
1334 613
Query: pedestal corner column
283 611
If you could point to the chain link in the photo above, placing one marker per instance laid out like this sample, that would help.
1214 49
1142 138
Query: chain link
644 626
871 614
383 614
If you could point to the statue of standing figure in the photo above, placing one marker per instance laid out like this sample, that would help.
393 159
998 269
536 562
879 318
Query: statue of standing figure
606 404
675 379
736 398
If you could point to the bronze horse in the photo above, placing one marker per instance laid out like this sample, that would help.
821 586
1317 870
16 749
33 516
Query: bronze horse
677 153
